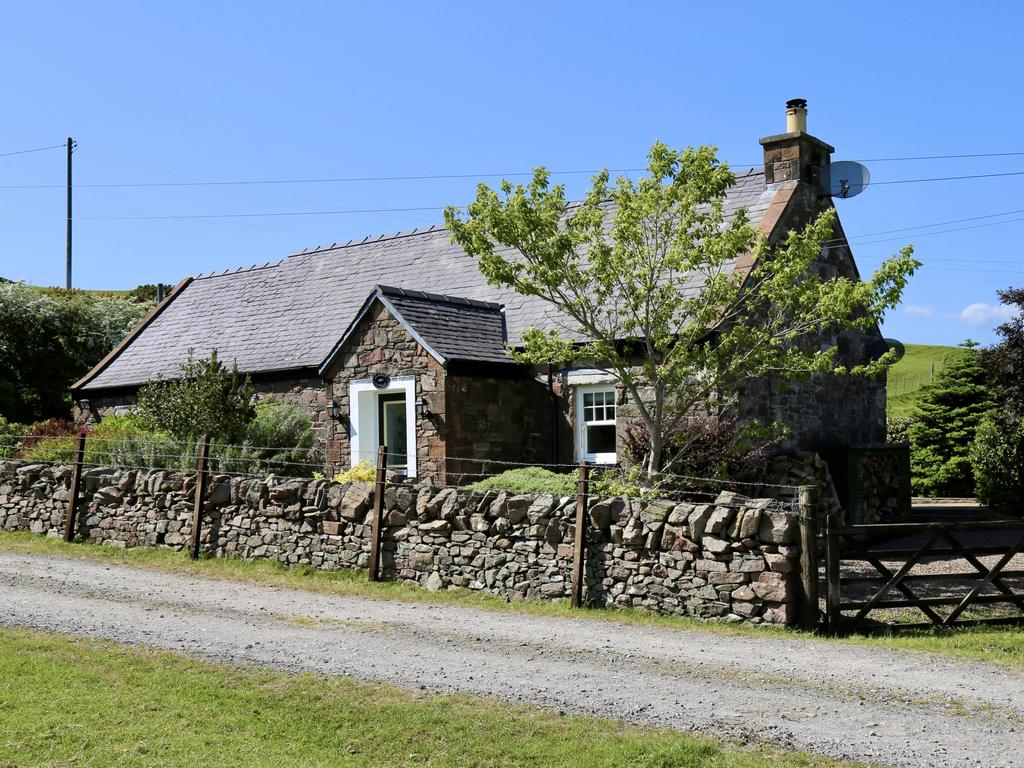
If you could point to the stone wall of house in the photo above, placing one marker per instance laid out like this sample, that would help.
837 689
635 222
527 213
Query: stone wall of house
735 559
505 419
380 344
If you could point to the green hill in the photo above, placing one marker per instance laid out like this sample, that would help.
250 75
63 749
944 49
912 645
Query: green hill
917 369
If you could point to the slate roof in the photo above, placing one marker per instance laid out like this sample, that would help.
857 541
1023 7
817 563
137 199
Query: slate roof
290 314
452 327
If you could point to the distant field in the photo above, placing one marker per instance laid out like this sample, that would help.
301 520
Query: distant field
914 371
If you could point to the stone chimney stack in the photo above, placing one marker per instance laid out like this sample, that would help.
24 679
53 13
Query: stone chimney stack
795 154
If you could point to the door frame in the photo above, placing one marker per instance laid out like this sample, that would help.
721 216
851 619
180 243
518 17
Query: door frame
363 423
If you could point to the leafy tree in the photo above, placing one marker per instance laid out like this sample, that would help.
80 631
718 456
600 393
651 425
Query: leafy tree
997 459
48 339
623 276
145 293
207 399
945 421
1004 362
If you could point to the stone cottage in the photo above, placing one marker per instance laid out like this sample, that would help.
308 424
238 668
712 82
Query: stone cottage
398 340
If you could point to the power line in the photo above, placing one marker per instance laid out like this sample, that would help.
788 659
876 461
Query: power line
941 157
231 215
455 176
946 178
338 180
26 151
942 223
860 241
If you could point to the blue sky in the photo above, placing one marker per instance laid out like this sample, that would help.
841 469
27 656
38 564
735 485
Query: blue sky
216 91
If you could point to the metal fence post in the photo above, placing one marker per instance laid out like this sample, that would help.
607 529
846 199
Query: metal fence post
197 510
808 558
579 550
76 483
832 573
376 527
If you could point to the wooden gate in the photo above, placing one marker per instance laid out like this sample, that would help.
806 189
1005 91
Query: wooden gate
875 573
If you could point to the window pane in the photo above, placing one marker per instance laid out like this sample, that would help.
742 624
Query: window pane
599 406
601 439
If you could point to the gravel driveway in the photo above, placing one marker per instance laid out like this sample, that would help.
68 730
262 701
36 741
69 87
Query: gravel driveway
854 702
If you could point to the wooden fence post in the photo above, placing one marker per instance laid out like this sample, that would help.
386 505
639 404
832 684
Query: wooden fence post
808 558
376 527
579 551
76 483
832 570
197 510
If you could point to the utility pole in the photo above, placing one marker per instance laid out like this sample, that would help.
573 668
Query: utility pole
71 147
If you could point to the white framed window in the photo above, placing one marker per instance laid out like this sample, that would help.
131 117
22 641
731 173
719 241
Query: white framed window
381 415
595 424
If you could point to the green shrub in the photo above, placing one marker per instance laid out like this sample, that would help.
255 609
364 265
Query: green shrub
631 481
126 441
56 450
205 399
49 442
529 480
279 440
10 437
947 415
997 460
605 482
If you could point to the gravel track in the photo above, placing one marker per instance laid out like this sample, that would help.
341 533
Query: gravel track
891 708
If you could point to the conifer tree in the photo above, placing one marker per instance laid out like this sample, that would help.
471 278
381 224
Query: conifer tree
947 416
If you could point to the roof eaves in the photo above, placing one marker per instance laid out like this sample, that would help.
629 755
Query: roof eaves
132 385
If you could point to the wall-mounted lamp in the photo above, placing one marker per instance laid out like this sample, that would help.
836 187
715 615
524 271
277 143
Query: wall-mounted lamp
422 407
335 410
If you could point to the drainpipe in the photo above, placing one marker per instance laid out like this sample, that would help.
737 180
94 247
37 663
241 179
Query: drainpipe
554 415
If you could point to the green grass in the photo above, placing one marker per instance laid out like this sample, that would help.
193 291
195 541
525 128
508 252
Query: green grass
1002 645
913 372
74 702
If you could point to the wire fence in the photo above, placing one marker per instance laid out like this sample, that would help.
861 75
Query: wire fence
325 461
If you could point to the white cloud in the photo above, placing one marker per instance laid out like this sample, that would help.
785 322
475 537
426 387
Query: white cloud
919 310
982 314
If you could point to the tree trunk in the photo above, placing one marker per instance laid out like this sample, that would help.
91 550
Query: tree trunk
654 454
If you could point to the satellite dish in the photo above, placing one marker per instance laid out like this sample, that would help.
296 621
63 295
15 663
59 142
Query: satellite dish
846 179
878 348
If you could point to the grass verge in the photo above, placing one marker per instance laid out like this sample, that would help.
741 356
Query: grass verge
1003 645
76 702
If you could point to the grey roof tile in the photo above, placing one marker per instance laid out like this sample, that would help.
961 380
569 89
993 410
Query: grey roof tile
456 328
289 314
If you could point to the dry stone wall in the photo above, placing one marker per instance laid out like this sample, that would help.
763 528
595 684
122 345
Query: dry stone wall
735 559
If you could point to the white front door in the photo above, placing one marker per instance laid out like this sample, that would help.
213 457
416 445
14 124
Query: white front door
393 429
